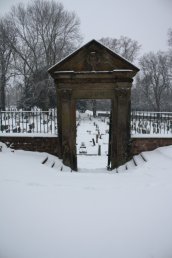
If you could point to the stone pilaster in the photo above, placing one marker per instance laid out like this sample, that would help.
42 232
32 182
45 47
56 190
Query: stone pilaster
65 95
123 95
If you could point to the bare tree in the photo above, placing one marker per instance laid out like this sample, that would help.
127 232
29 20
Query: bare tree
5 57
170 52
153 85
170 37
154 79
124 46
46 32
139 96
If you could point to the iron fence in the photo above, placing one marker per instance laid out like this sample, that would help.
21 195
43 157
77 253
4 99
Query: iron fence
29 122
151 123
45 122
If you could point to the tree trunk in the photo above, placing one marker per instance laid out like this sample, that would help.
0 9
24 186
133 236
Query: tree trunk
2 91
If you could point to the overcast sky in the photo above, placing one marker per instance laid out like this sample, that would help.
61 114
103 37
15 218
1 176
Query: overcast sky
146 21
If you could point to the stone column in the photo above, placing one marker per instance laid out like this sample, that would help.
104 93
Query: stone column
123 111
73 135
66 125
59 120
68 132
114 135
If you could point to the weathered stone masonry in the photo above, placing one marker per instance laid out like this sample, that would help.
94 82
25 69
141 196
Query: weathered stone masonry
93 72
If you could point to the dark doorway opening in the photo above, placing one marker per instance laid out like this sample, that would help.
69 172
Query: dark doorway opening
92 133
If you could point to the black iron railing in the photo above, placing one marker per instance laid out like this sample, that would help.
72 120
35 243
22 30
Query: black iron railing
44 122
151 123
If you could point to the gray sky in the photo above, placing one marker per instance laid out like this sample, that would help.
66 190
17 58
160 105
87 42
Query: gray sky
146 21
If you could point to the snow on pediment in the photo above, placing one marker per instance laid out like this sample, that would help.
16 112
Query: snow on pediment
93 56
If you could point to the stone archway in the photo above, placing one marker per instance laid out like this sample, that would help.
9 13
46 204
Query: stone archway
93 72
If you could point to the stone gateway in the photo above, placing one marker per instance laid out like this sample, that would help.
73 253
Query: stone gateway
93 72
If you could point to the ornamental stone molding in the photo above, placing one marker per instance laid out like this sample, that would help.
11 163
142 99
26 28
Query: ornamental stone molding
66 94
93 59
122 92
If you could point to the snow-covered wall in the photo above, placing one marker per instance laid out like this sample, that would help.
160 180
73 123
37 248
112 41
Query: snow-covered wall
147 144
51 144
34 143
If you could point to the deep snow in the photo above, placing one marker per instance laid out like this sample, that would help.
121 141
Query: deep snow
46 213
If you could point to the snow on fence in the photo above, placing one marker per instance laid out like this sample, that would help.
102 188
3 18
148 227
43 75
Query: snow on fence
44 122
151 123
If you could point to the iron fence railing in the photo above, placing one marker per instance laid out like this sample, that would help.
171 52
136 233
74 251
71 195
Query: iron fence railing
45 122
151 123
29 122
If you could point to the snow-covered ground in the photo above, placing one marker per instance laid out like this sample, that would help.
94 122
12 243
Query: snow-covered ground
94 134
49 213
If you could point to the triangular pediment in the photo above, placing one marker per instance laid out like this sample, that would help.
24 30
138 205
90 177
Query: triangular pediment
93 56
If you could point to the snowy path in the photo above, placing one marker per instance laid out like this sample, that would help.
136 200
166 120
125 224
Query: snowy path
86 133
